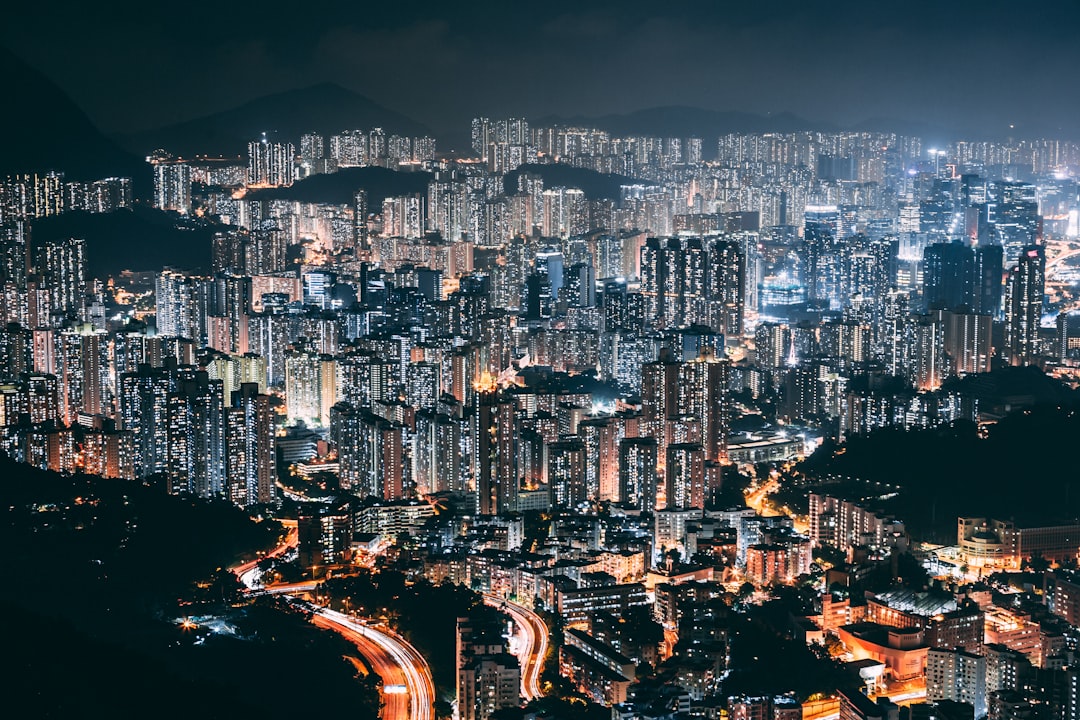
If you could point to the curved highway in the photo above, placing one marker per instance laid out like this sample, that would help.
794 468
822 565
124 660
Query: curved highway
531 643
248 573
408 690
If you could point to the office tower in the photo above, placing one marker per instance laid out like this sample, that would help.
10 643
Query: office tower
493 461
172 187
538 301
430 284
579 286
948 276
957 276
250 454
988 265
549 262
1024 290
1013 212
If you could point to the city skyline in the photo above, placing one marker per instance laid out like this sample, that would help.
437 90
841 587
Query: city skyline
311 406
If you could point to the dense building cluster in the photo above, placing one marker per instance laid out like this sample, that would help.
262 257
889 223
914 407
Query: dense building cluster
602 352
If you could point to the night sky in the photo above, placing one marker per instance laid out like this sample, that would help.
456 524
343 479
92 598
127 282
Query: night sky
965 65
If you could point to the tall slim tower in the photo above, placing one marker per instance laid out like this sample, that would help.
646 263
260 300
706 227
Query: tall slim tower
360 216
494 458
1023 305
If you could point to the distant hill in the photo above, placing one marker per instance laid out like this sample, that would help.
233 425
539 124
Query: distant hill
1008 388
338 188
326 109
684 121
946 472
132 239
595 185
43 129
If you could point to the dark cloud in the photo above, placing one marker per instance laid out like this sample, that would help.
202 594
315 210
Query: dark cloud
968 64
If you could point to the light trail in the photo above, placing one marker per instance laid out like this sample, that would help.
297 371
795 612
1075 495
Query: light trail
396 661
248 573
534 632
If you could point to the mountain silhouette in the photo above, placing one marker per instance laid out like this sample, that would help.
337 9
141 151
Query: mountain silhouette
43 129
325 108
340 188
595 185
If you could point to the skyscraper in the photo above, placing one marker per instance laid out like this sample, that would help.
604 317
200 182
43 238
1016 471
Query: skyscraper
61 265
270 164
172 186
250 456
1024 290
493 434
726 287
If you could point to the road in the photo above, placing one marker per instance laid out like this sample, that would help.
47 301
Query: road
248 573
395 661
531 643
